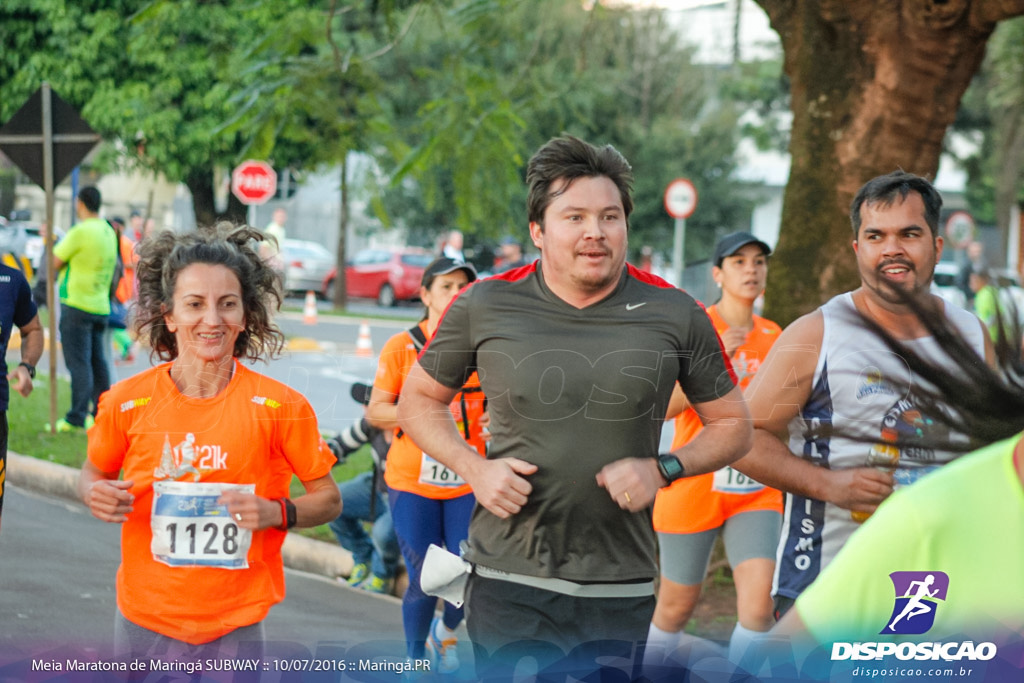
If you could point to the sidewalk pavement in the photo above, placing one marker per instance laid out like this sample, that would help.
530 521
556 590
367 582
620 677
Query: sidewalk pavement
299 552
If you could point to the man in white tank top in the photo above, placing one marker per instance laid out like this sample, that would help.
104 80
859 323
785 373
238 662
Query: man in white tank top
828 370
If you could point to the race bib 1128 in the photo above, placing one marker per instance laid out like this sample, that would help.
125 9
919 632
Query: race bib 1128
191 530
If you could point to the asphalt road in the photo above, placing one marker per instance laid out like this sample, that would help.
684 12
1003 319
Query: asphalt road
57 603
58 564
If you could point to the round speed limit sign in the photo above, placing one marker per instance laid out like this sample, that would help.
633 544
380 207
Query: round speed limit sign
680 198
960 228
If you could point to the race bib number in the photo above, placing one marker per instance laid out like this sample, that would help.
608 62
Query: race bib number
728 480
434 473
191 530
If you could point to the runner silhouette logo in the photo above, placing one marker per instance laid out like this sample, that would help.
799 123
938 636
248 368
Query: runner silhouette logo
917 599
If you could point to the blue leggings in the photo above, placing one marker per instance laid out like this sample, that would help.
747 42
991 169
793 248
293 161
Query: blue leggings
419 522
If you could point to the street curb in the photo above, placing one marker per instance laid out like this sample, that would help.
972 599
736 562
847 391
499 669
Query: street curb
298 552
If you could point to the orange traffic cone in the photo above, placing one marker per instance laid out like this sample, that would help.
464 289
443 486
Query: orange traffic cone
309 309
364 345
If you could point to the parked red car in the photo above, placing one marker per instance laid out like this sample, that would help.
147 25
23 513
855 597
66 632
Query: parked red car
389 276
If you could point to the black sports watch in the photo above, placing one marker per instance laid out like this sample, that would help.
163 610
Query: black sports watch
670 468
31 369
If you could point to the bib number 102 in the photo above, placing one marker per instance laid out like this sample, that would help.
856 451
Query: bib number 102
218 539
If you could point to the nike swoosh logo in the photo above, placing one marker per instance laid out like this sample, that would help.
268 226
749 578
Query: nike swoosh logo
630 307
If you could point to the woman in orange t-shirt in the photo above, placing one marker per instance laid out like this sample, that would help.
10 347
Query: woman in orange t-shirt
208 449
690 514
429 502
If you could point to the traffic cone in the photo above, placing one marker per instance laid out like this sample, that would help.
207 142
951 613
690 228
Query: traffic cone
309 309
364 345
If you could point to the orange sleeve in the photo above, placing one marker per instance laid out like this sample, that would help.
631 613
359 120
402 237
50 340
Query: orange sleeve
396 359
108 438
304 449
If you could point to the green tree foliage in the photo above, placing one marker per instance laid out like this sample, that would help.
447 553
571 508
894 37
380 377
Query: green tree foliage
313 96
157 76
449 97
992 112
493 80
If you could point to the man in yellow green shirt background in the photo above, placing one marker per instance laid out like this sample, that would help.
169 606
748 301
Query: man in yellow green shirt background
85 261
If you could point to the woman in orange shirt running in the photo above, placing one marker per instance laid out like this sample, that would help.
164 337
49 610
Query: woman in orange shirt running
207 448
689 515
429 502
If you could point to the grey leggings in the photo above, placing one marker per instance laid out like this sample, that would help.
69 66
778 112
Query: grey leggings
132 640
685 557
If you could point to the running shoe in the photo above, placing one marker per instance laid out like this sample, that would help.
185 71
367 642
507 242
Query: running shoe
441 649
359 574
64 426
376 584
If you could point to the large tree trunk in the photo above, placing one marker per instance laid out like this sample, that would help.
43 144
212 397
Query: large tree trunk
200 185
875 84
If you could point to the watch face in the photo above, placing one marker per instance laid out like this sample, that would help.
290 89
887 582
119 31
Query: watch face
670 467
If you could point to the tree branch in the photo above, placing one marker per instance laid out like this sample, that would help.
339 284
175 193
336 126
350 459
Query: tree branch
341 65
398 39
985 14
780 13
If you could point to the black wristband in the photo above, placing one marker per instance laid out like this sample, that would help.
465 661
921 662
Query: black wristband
31 369
670 467
288 516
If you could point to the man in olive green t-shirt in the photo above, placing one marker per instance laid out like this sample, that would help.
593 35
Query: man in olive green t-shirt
85 260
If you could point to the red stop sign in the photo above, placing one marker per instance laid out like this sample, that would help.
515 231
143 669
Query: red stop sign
253 182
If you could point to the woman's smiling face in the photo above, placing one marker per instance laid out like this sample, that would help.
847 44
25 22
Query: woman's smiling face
207 313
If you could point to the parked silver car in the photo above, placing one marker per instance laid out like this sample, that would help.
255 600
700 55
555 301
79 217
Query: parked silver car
305 265
944 283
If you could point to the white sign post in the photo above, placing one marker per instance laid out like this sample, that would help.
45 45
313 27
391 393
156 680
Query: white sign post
680 203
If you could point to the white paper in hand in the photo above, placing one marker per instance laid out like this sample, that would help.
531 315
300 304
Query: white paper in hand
444 575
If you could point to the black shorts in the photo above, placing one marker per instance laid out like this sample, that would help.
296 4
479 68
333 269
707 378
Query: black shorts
508 622
782 605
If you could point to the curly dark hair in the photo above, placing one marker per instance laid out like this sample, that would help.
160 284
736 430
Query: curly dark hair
165 254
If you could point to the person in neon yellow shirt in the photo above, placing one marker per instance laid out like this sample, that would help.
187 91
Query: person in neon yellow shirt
986 301
85 260
964 520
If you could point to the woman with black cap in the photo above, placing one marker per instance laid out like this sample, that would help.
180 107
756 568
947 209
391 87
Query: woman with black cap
429 502
689 514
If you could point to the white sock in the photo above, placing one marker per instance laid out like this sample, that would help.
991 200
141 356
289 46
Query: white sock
660 644
442 632
740 640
